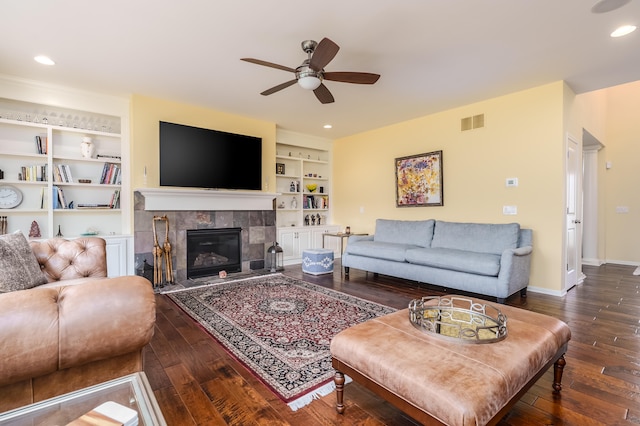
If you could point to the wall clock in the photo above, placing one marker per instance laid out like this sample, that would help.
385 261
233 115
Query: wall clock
10 197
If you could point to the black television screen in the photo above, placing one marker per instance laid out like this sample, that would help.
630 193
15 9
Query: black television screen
202 158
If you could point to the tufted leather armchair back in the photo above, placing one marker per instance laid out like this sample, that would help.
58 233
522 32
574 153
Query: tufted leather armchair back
62 259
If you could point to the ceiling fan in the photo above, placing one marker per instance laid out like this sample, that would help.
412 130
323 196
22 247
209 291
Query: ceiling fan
310 74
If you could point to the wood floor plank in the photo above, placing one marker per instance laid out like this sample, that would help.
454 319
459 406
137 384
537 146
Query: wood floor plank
193 397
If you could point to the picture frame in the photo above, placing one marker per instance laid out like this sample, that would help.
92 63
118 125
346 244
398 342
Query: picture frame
280 168
419 181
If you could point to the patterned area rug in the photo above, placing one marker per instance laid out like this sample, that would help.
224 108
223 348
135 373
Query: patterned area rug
280 328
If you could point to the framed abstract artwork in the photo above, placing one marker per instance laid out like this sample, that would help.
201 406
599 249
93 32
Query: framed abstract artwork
419 180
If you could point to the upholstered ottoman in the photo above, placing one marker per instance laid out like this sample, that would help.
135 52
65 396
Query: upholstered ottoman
439 380
317 261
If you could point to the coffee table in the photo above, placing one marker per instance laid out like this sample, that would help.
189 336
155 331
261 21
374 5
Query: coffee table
132 391
440 380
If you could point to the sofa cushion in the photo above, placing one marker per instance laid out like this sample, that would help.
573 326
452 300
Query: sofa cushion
477 237
415 232
456 260
19 269
378 250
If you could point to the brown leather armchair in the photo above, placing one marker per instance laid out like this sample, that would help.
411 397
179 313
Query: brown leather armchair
78 330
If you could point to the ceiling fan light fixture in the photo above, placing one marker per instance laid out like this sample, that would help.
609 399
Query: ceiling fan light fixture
623 30
44 60
309 82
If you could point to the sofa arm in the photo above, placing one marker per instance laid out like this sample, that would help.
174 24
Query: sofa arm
355 238
515 268
49 329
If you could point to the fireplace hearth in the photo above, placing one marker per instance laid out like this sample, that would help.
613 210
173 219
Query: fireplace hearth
210 251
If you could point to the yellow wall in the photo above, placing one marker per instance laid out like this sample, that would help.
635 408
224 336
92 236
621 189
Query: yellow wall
622 181
523 137
147 112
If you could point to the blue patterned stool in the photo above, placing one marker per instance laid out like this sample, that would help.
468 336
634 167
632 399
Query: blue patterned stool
317 261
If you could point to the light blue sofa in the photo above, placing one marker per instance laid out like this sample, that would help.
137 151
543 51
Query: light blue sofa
488 259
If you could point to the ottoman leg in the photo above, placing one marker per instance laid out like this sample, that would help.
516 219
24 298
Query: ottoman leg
339 381
558 369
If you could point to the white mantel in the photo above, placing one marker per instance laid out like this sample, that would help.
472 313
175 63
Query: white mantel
203 199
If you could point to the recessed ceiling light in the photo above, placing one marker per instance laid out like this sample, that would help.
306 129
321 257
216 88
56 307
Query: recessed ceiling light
604 6
44 60
623 30
327 126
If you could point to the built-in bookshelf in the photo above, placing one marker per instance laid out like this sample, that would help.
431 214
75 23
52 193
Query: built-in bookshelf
303 206
41 157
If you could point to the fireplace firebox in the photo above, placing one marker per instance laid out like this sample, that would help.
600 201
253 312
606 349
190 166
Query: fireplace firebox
210 251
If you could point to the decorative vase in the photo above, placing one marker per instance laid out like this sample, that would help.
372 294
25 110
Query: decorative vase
87 147
294 203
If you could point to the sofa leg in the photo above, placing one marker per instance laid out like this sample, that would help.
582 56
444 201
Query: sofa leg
346 270
502 300
523 292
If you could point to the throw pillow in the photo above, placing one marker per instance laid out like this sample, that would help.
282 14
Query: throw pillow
19 268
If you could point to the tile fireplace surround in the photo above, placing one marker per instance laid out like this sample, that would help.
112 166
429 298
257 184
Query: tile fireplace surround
189 209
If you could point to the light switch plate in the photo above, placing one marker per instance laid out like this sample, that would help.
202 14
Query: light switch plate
509 210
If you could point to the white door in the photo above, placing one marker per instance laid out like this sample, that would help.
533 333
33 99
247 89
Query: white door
573 191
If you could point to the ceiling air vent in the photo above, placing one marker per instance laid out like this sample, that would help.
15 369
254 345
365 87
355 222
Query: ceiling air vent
469 123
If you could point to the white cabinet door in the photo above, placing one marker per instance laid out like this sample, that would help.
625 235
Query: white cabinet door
304 241
119 250
288 242
293 241
332 243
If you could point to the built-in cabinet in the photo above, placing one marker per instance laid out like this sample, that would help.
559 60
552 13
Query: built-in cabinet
66 189
294 240
303 206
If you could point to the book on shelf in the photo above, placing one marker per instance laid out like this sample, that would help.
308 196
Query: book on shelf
111 174
62 200
115 199
62 173
34 173
54 197
42 145
113 157
93 206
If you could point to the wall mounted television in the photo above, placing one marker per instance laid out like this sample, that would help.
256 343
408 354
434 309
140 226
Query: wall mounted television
194 157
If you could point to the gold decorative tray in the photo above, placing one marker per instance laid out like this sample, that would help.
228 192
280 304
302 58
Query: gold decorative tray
458 318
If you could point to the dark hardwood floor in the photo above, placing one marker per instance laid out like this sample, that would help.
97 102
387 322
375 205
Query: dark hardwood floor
197 383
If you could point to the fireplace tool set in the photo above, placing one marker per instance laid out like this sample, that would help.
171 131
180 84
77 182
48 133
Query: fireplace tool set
160 252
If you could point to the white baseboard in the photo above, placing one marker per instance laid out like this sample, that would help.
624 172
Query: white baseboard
622 262
592 262
542 290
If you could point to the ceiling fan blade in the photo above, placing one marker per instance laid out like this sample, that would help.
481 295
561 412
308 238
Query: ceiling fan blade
278 87
324 53
268 64
323 94
352 77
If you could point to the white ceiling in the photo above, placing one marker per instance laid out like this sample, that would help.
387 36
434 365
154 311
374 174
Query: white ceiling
432 54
